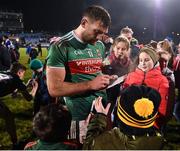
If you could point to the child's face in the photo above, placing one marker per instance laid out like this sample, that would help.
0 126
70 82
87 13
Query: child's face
120 50
21 74
159 49
145 62
165 55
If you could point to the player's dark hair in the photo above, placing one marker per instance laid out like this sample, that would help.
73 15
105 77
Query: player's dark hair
98 13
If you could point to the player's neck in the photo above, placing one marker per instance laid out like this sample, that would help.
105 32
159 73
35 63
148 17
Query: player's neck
78 32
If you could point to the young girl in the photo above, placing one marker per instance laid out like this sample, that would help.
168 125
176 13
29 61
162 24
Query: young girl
166 54
148 73
166 57
117 63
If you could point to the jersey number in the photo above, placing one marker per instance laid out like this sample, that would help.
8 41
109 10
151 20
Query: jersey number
90 53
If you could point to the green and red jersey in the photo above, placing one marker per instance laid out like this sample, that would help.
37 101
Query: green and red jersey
82 62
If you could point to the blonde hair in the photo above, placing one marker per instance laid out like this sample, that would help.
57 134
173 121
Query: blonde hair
120 39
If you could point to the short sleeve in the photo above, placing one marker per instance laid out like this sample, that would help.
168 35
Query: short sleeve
56 56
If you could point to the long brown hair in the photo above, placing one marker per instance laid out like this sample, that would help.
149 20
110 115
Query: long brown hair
166 46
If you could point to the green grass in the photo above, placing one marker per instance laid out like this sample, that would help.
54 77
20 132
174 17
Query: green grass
21 109
23 116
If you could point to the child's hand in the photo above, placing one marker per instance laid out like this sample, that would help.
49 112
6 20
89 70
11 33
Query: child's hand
29 82
34 84
34 88
99 107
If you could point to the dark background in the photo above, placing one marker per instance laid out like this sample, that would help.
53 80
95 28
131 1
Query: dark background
159 17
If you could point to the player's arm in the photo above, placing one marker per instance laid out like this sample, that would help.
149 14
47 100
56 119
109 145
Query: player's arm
58 87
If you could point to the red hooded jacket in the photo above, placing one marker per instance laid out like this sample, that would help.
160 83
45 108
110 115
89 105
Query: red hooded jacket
156 80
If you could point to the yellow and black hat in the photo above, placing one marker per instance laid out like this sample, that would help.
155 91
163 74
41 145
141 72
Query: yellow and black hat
138 108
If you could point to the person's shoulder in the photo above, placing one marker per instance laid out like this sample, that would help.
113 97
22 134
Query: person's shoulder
64 40
73 144
134 75
30 145
136 71
131 76
100 44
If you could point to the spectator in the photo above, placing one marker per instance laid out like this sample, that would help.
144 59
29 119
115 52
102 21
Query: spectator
153 44
39 49
33 53
164 47
74 67
166 57
128 33
9 82
148 73
16 48
42 97
7 42
28 50
51 125
137 111
117 63
14 54
5 58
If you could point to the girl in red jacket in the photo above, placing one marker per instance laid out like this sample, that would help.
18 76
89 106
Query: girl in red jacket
148 73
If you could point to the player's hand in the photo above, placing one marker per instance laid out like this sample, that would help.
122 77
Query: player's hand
100 82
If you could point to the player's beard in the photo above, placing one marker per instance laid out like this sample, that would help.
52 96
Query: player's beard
88 39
